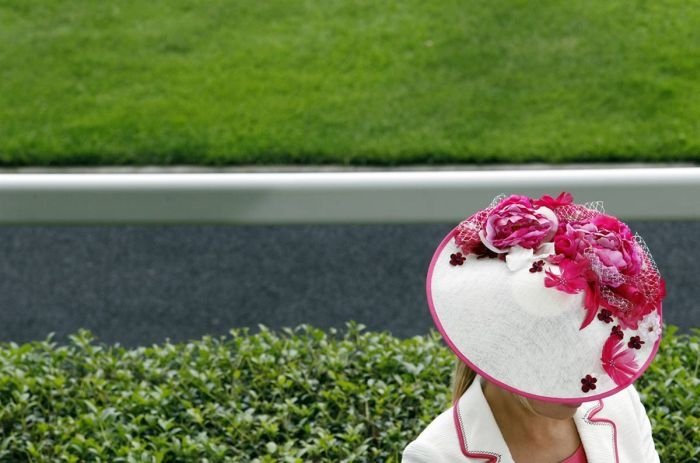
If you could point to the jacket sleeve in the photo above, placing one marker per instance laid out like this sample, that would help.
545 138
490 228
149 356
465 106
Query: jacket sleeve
647 442
420 451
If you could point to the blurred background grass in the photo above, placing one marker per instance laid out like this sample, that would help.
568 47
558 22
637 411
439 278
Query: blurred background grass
351 82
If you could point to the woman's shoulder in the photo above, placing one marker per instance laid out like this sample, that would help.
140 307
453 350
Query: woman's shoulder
626 402
625 411
466 425
437 442
440 426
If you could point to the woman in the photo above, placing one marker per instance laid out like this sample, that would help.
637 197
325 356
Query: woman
553 310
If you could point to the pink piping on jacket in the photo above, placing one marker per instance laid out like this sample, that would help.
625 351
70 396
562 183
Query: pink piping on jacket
599 421
488 456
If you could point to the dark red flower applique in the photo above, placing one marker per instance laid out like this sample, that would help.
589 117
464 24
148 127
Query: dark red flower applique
617 331
457 259
605 316
635 342
588 383
537 266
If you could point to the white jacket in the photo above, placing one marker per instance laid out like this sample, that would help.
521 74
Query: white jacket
615 429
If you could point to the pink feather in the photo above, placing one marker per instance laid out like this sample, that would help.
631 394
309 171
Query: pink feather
619 363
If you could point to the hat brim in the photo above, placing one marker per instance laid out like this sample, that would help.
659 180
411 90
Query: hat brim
518 334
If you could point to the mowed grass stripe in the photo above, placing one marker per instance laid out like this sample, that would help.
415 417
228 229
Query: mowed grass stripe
352 82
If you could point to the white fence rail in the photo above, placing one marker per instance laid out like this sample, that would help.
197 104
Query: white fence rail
332 197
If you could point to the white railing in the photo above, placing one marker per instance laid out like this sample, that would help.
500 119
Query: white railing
332 197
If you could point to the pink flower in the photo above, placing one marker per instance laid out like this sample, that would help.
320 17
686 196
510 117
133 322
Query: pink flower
566 245
619 363
593 299
631 317
516 221
607 242
570 280
637 304
646 301
564 199
576 276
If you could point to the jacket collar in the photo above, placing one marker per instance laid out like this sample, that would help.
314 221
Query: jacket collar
597 431
480 438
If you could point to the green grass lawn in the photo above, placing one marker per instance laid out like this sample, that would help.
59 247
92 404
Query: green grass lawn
352 82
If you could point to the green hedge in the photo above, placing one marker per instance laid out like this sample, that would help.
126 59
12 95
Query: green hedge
296 395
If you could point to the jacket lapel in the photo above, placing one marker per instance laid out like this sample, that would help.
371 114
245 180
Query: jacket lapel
598 432
480 439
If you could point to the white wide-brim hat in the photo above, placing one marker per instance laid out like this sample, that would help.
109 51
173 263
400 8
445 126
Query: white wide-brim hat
548 299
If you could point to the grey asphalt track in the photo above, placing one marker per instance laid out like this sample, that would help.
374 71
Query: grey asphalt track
139 285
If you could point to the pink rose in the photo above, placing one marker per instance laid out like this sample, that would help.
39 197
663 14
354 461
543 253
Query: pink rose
607 242
516 222
639 304
564 199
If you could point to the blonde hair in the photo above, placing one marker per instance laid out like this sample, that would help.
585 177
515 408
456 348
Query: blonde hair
463 377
